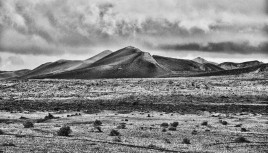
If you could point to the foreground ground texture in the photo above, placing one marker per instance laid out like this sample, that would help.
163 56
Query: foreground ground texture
212 112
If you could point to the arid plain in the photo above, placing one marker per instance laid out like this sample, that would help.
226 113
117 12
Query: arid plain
198 114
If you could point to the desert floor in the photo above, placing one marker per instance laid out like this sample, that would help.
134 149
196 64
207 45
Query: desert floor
233 107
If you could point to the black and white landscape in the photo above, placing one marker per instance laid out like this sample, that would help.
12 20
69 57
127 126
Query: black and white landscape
134 76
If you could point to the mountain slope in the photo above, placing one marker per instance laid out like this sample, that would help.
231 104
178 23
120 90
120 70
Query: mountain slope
64 65
53 67
185 65
203 61
231 65
128 62
88 62
13 74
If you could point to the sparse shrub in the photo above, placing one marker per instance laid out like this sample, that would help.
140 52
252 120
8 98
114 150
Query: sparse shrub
23 118
241 139
64 131
164 130
167 140
117 139
135 103
223 122
121 126
49 116
170 82
238 125
194 132
168 133
186 141
244 130
98 128
152 146
97 123
114 133
205 123
172 128
28 124
41 120
164 125
174 124
9 144
2 132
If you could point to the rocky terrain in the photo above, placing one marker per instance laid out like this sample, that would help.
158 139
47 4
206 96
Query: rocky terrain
200 114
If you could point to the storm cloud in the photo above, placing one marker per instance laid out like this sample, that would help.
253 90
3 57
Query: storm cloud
220 47
55 27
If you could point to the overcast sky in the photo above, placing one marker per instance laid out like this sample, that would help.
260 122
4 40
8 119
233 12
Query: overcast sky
33 32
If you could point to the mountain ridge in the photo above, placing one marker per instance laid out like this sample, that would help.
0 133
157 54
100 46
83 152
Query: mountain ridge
131 62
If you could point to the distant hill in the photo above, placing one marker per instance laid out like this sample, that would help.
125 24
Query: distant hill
128 62
12 74
253 69
185 65
231 65
203 61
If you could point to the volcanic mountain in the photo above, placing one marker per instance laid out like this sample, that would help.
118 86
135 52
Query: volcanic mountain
230 65
131 62
128 62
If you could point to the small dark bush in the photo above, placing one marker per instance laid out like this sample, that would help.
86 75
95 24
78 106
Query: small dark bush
114 133
174 124
164 125
64 131
49 116
167 141
121 126
186 141
98 128
97 123
172 128
194 132
223 122
164 130
28 124
205 123
117 139
41 120
238 125
244 130
2 132
10 144
152 146
23 118
135 103
241 139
